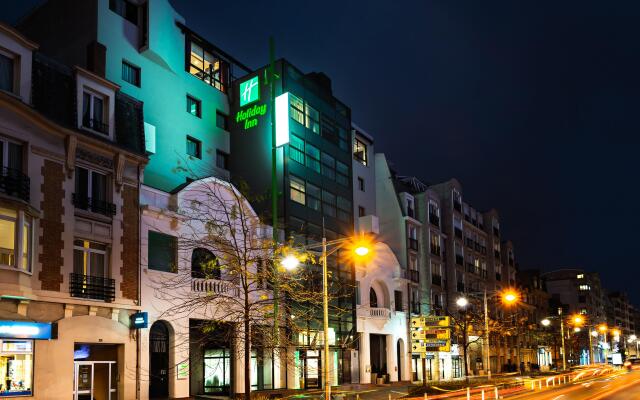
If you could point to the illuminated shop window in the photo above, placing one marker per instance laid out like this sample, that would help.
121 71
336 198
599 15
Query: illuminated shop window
16 367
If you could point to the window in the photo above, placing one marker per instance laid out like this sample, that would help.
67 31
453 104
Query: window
10 156
457 227
343 139
222 159
296 149
126 9
360 151
90 258
312 119
434 213
91 192
297 189
357 290
204 264
373 298
342 173
457 199
296 108
7 74
16 239
163 252
361 183
585 287
93 112
313 157
194 147
16 367
313 196
361 211
131 73
344 209
397 297
194 106
208 67
580 276
328 203
217 370
435 244
328 166
222 121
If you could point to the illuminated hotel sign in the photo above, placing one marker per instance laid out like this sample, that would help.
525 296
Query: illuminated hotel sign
249 91
25 330
247 118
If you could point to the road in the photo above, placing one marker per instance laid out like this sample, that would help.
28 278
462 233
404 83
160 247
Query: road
620 386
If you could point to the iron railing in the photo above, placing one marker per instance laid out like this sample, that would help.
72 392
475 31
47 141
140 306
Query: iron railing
414 275
14 183
94 205
95 125
92 287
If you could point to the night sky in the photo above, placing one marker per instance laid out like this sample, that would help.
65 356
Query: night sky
532 105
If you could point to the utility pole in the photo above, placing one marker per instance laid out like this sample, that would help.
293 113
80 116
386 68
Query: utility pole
325 306
274 180
486 334
564 357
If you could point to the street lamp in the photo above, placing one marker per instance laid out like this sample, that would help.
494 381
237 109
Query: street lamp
545 322
462 302
360 247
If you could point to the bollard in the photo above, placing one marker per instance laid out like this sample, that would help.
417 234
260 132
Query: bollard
389 396
482 393
533 385
426 397
539 385
468 394
496 392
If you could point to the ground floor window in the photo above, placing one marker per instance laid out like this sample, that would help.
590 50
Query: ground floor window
456 369
217 370
16 367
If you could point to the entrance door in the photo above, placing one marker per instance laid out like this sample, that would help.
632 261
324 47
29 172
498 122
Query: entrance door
94 380
312 370
158 361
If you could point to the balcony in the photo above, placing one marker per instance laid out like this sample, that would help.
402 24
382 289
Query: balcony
414 275
213 286
95 125
379 312
436 280
94 205
413 244
459 260
434 220
14 183
92 287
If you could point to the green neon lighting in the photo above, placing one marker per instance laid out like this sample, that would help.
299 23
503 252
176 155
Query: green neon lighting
282 119
249 91
250 115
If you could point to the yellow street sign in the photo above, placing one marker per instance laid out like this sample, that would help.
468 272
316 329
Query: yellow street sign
417 322
417 335
418 348
437 321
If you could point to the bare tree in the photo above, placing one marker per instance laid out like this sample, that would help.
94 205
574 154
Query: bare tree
227 265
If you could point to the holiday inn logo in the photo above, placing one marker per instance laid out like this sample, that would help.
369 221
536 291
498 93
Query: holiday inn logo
249 91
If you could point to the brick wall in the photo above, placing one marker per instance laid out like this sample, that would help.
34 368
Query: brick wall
130 243
52 225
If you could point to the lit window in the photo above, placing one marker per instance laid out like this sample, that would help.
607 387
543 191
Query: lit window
296 108
585 287
194 147
360 151
312 119
194 106
297 192
207 67
580 276
8 224
130 73
94 112
16 367
7 75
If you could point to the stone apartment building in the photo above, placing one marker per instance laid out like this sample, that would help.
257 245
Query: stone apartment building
71 157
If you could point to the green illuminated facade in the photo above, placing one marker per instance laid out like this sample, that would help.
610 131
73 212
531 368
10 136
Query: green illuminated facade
314 180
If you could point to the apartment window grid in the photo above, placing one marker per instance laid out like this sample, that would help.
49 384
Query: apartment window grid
296 149
92 191
313 157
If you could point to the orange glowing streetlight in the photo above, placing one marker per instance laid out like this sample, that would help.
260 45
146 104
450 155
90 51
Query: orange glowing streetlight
510 297
602 328
577 319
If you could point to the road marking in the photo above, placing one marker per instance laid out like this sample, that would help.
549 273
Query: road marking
557 397
605 386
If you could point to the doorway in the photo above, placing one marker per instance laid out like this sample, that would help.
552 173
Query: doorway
95 380
312 369
399 359
158 361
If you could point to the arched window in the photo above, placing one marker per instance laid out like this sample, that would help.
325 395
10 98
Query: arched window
204 264
373 298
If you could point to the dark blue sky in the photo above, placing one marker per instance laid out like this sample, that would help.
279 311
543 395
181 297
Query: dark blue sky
532 105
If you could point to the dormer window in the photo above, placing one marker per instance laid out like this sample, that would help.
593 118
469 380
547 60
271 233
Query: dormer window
94 112
7 74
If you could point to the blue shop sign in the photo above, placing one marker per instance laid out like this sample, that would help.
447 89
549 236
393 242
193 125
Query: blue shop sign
25 330
140 320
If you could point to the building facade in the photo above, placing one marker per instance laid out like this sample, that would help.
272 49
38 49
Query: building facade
69 261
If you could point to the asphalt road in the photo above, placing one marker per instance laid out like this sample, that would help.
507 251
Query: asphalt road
620 386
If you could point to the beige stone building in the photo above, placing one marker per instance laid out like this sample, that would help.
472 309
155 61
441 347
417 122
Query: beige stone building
71 156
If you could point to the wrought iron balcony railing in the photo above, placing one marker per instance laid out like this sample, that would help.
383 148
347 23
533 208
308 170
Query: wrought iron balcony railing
94 205
92 287
14 183
95 125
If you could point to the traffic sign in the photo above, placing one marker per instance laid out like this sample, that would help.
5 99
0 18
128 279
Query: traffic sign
436 321
418 335
417 322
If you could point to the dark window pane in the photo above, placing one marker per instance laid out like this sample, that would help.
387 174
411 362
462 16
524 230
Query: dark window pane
82 182
15 157
222 121
6 73
162 252
98 187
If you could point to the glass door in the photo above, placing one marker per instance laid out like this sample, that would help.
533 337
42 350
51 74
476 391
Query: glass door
95 380
83 381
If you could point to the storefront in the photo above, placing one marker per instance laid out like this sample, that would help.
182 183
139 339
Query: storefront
17 355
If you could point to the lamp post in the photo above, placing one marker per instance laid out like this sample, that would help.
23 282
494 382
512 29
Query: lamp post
361 248
564 357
